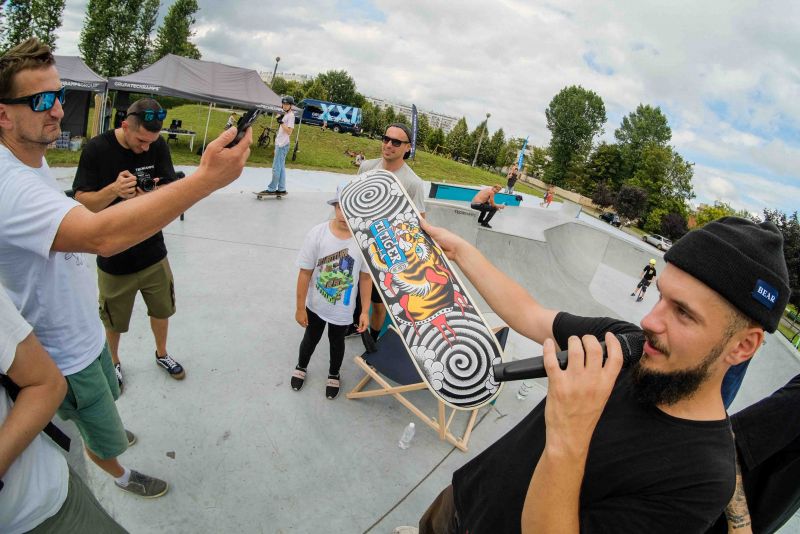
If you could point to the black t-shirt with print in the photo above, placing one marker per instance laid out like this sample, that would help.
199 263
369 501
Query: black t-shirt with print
646 471
101 161
649 272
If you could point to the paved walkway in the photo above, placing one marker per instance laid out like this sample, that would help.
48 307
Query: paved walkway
245 453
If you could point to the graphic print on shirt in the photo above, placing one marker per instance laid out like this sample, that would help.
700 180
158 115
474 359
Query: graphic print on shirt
335 279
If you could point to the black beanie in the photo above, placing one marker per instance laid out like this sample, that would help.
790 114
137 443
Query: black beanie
742 261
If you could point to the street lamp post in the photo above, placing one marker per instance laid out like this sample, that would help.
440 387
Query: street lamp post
274 71
480 139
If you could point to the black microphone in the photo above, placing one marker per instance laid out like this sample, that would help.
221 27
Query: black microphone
632 345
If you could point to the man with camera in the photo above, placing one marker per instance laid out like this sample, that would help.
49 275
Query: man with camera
120 164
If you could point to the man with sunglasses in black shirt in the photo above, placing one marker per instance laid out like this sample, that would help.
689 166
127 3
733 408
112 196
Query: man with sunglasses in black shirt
114 167
395 149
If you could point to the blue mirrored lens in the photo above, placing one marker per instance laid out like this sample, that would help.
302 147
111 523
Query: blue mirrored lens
45 101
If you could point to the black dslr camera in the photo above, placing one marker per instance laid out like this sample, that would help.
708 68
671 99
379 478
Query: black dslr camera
144 181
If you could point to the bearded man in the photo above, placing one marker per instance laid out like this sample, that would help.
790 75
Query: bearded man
648 448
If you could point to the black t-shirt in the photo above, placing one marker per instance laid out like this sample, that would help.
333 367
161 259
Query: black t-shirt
649 272
768 439
646 471
101 161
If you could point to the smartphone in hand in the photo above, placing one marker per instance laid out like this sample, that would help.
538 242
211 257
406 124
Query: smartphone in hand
245 122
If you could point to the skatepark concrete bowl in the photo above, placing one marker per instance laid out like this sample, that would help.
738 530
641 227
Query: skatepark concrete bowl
243 452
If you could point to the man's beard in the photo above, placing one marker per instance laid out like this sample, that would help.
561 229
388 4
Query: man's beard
656 387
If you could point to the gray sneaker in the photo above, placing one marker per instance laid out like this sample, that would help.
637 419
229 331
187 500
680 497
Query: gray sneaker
144 486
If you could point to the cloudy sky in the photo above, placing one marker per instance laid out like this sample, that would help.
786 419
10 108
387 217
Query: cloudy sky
725 73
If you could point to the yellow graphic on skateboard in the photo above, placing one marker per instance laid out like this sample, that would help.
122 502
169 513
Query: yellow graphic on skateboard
446 336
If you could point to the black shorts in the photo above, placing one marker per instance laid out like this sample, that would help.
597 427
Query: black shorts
644 283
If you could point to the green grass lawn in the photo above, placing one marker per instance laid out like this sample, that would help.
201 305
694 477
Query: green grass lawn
319 150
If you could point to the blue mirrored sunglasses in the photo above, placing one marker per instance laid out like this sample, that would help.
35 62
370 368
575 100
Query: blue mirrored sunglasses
40 101
149 115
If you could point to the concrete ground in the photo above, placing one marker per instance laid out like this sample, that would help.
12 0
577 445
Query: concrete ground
245 453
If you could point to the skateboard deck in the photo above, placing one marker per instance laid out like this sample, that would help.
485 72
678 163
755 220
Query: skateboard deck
446 336
259 195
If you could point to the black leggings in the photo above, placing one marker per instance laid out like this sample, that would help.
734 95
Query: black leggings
316 326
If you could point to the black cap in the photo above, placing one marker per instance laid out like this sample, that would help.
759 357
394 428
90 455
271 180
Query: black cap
742 261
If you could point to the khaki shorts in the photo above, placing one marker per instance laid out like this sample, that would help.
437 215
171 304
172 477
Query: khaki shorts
118 292
89 403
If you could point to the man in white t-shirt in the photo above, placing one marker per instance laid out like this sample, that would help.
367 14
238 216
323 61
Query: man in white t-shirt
285 126
37 490
43 234
395 149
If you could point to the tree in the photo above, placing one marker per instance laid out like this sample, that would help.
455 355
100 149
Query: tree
105 41
175 32
18 22
423 129
604 166
340 87
494 148
789 225
574 117
30 18
435 139
666 177
603 196
538 162
647 126
673 225
631 202
142 44
370 118
653 220
478 135
457 142
46 17
317 91
705 213
387 117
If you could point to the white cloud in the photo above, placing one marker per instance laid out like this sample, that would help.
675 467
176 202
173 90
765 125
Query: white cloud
725 73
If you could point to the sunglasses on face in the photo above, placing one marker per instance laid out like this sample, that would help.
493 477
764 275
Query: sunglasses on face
149 115
43 101
395 142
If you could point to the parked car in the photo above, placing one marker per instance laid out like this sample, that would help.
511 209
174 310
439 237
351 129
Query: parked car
660 242
611 218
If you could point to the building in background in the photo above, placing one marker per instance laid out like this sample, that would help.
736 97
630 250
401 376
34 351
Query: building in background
436 120
288 76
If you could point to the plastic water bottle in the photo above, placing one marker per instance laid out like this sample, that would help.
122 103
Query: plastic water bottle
524 389
408 435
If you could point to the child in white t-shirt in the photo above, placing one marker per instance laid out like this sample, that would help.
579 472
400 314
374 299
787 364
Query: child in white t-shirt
332 275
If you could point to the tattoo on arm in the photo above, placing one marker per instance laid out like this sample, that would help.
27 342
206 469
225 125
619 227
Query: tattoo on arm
736 513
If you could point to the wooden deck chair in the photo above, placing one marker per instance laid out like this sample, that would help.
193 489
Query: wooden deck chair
391 360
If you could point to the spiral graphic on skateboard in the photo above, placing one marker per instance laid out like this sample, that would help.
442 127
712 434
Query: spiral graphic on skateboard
447 337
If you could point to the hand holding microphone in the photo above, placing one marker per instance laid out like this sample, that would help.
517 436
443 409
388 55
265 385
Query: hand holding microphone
632 345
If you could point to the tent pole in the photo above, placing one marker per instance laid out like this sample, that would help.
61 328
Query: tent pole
208 120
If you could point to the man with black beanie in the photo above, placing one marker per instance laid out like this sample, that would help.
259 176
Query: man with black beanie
644 449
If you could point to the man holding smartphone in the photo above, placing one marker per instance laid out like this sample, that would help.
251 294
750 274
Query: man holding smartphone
114 167
285 127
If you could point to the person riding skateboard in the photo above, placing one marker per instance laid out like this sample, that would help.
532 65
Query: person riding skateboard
648 273
285 127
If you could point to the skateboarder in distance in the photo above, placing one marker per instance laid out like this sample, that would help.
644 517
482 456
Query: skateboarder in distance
484 203
648 273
